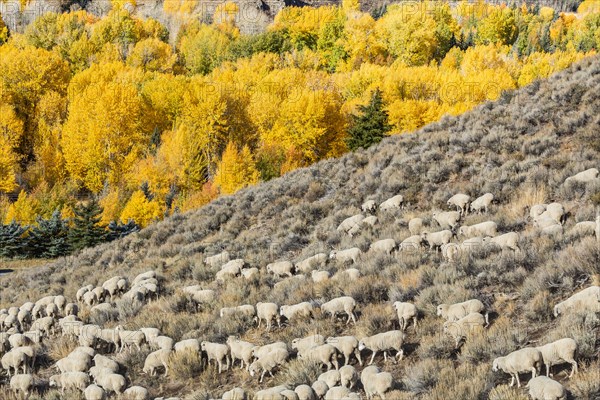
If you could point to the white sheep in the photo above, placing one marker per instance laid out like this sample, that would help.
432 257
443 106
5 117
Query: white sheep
162 342
301 310
544 388
371 220
436 240
487 228
74 363
268 362
519 361
94 392
554 230
589 175
136 393
105 362
346 345
346 255
509 240
350 222
348 376
90 298
268 312
415 226
376 382
454 312
460 201
216 352
411 244
350 273
331 378
23 383
559 352
536 210
305 343
200 296
260 351
14 360
369 206
319 276
556 211
129 338
312 262
392 203
112 383
344 304
305 392
325 354
248 273
217 259
447 219
243 311
240 350
281 268
587 299
157 359
384 246
320 389
70 380
406 312
459 329
82 291
391 340
584 228
483 202
336 393
234 394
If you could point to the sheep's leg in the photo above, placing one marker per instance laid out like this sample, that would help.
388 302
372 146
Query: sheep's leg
533 372
385 356
547 369
373 357
262 375
574 370
346 359
415 324
512 380
518 380
357 354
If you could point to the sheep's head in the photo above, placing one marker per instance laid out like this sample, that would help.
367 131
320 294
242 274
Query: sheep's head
495 365
203 346
53 381
361 345
333 255
441 309
461 230
557 311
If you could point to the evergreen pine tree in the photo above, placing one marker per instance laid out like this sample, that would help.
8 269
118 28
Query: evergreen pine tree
370 126
86 230
50 238
12 240
117 230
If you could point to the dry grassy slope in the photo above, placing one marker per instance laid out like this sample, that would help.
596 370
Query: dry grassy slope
521 148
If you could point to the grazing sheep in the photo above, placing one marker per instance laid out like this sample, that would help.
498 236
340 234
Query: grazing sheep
200 296
271 394
94 392
536 210
105 362
281 269
234 266
217 259
112 383
260 351
157 359
559 352
90 298
217 352
447 219
82 291
350 273
376 382
5 342
437 239
350 222
345 256
243 311
162 342
483 202
18 340
384 246
70 380
240 350
460 329
348 376
129 338
411 243
136 393
331 378
305 392
320 389
24 318
587 299
488 228
369 206
406 312
391 340
346 345
523 360
552 230
319 276
96 371
344 304
268 312
14 360
248 273
325 354
301 310
584 228
234 394
392 203
454 312
23 383
308 342
336 393
268 362
370 220
74 363
589 175
460 201
543 388
415 226
187 346
555 211
312 262
52 310
508 240
71 309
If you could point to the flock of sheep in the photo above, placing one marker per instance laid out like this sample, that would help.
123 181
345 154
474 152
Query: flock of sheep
90 369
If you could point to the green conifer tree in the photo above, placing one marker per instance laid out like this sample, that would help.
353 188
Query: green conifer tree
50 238
86 230
12 240
370 126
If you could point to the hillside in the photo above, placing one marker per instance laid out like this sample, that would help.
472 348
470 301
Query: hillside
520 148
